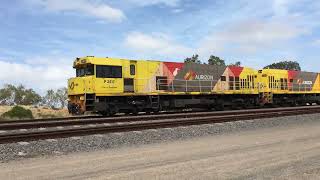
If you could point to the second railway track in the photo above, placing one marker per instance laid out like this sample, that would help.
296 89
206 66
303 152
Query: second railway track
138 123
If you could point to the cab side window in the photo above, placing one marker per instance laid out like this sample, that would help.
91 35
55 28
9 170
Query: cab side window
108 71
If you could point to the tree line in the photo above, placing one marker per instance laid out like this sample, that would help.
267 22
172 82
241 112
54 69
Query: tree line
215 60
20 95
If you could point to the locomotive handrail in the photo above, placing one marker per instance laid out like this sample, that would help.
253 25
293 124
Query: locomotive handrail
182 85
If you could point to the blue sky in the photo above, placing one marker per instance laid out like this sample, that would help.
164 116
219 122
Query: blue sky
40 38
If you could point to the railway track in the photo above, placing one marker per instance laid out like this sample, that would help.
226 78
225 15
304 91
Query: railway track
86 120
138 123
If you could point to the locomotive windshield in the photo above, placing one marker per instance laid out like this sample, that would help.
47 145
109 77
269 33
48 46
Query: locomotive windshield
87 70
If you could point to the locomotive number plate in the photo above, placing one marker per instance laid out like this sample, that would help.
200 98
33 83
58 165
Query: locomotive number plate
109 81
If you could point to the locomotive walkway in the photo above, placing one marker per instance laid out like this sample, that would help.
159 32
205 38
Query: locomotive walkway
98 125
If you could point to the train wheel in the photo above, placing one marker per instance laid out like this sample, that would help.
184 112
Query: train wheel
76 111
236 106
135 111
293 104
148 111
245 105
220 107
105 113
157 110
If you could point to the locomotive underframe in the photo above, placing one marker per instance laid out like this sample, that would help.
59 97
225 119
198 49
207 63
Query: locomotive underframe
110 105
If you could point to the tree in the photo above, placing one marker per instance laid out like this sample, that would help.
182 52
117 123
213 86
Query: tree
6 95
30 97
19 95
287 65
193 59
62 96
56 98
237 63
50 98
215 60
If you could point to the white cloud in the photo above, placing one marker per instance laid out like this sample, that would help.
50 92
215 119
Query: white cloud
246 37
250 36
177 10
280 7
171 3
39 73
87 7
316 42
157 44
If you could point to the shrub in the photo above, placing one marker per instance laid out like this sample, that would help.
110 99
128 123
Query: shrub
18 112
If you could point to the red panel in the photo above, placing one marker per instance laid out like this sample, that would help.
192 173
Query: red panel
173 67
236 70
292 74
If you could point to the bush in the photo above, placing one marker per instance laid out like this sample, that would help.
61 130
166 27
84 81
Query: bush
18 112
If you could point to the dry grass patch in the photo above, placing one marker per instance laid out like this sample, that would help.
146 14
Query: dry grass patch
39 112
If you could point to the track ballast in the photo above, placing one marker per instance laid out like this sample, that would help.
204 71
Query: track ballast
137 123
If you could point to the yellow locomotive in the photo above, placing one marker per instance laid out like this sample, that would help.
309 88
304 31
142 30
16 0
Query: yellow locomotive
111 85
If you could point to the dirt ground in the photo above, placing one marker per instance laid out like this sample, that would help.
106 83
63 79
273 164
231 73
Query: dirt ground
40 112
275 153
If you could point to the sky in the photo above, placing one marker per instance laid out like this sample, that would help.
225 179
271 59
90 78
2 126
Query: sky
41 38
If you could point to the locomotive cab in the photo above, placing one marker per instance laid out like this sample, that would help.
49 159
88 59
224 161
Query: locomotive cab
80 86
96 78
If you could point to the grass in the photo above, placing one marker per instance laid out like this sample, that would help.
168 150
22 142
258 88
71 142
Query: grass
18 112
39 112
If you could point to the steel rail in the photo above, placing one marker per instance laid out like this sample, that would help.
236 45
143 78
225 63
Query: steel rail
82 117
30 136
69 122
4 121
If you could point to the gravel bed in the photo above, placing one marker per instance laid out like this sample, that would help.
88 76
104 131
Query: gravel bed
44 129
16 151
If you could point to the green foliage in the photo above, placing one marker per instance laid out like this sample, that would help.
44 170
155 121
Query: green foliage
19 95
62 96
287 65
56 98
5 96
193 59
11 94
50 98
237 63
215 60
18 112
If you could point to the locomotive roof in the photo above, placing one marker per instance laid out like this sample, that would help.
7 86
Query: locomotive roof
101 60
